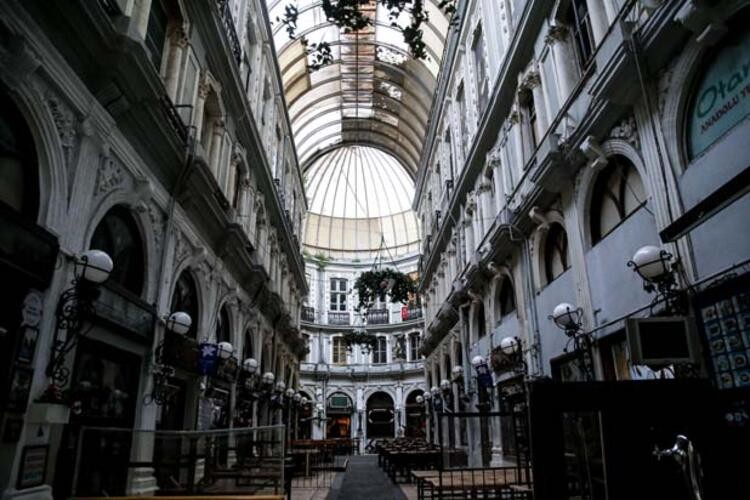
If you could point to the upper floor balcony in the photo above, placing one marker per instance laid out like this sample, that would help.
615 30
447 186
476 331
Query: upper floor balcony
375 317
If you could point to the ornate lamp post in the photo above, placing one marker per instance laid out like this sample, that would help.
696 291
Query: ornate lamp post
74 309
568 318
484 383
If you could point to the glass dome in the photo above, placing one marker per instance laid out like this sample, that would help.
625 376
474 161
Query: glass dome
359 200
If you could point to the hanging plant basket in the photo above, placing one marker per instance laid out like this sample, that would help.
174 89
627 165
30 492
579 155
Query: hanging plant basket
382 283
360 338
351 16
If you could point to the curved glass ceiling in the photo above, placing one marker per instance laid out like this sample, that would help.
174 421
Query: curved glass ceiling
374 93
358 182
359 199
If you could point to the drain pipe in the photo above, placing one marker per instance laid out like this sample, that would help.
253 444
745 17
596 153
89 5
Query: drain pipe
532 310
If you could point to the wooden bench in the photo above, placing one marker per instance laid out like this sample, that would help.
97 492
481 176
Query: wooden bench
503 482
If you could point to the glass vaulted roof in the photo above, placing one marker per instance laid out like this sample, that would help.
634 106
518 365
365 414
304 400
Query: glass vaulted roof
359 199
374 93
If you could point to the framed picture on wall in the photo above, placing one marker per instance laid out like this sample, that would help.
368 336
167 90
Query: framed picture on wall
33 468
20 387
27 345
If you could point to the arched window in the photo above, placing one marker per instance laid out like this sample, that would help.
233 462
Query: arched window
505 301
19 181
481 326
618 192
555 252
223 330
185 299
118 235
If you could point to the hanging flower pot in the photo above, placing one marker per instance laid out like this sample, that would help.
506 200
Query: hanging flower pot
377 284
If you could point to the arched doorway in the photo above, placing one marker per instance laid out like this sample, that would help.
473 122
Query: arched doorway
415 416
339 410
380 416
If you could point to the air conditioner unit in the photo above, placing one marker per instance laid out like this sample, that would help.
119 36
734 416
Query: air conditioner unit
662 341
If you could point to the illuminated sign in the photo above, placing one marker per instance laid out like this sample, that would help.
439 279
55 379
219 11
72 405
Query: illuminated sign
722 98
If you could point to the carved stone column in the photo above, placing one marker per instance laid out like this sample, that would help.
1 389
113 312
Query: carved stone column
565 61
177 43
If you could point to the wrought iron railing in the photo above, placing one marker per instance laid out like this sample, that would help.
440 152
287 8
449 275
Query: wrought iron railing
226 20
308 314
338 318
174 117
378 316
410 313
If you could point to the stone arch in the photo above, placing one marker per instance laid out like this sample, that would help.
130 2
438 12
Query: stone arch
200 298
52 173
677 90
539 239
139 213
587 180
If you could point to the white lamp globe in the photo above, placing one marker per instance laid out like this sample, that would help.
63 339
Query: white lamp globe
477 361
290 393
297 397
94 265
280 386
319 406
250 365
427 396
268 378
650 263
435 389
509 345
420 399
565 315
225 350
457 371
304 401
179 322
445 384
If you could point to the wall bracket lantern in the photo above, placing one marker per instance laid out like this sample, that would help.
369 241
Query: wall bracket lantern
74 311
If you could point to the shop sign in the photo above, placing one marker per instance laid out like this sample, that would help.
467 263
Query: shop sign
722 98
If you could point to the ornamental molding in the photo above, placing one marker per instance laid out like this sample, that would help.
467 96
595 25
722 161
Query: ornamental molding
627 130
109 176
66 122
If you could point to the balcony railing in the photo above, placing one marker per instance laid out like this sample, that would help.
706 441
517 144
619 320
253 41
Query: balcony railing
338 318
226 20
410 313
378 316
308 314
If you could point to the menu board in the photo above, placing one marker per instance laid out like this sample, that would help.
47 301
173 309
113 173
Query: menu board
724 317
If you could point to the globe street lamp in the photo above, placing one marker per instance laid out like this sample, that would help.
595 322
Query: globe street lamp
568 318
656 268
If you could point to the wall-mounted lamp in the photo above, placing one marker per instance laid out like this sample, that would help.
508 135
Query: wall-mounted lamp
569 318
178 323
657 268
74 308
